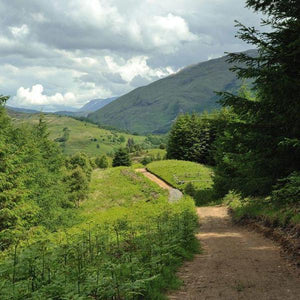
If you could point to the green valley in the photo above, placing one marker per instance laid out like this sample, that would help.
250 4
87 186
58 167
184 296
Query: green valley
83 136
186 188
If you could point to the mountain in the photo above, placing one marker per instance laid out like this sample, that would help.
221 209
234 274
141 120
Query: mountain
153 108
88 108
96 104
22 110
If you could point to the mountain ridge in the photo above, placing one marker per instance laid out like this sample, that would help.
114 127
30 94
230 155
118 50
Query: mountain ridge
153 108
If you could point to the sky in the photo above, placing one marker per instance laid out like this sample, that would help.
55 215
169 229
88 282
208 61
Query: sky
62 53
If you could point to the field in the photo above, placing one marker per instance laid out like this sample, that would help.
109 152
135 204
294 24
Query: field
192 178
127 245
83 137
116 187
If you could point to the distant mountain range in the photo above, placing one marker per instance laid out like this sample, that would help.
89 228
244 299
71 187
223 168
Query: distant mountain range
153 108
23 110
88 108
96 104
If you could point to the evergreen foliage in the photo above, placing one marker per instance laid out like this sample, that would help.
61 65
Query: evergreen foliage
121 158
191 137
126 245
33 189
261 143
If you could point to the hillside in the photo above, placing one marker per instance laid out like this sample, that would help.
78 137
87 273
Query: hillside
85 110
21 110
83 137
96 104
154 107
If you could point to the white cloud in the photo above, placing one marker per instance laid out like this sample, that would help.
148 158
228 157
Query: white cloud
35 96
168 32
136 66
103 48
19 32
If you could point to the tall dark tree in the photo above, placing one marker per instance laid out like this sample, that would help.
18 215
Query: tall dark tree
121 158
262 141
192 136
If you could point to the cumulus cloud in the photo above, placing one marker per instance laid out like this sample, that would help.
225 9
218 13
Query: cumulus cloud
168 31
35 96
136 66
72 51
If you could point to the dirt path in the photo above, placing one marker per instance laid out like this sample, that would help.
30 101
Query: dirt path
174 194
235 264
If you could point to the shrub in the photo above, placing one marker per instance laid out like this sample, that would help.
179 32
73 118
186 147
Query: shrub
189 189
287 191
102 162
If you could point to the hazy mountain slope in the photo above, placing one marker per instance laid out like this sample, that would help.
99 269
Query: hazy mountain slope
154 107
96 104
22 110
88 108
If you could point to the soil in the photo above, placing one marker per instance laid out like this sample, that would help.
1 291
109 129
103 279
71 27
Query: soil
174 194
235 264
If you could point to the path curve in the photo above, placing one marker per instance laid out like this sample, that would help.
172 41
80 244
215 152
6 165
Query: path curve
174 194
236 264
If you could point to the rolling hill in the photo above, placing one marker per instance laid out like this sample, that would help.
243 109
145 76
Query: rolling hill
153 108
83 137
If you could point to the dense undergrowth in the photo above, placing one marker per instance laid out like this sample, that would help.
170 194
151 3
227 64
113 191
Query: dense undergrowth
122 249
262 210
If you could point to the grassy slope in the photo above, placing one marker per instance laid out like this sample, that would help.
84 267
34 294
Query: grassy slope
179 173
192 178
80 135
192 89
124 208
119 187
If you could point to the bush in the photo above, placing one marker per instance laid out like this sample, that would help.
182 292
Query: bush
189 189
80 160
287 191
102 162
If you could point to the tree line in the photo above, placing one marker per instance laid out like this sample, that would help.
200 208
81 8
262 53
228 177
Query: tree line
254 141
39 187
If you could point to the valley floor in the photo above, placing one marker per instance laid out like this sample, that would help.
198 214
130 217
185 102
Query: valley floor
235 264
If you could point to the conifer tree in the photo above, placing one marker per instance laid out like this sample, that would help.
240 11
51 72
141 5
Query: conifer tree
262 142
121 158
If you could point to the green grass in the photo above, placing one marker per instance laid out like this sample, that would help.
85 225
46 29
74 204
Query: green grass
82 134
262 209
155 154
116 187
128 245
192 178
